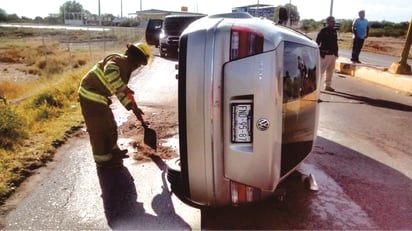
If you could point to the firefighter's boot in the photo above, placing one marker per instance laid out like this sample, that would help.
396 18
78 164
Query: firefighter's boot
120 153
110 164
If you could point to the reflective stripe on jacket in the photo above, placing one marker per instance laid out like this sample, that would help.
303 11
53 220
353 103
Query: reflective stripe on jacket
107 78
93 96
110 77
102 158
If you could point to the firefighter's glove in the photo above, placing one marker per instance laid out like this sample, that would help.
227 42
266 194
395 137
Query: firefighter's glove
127 91
132 102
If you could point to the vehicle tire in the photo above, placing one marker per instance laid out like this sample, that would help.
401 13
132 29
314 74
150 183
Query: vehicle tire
175 54
176 185
161 50
173 172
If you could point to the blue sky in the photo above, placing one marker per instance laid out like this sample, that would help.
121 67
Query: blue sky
376 10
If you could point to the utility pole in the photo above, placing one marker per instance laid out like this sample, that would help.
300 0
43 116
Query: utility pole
331 8
140 5
402 67
100 18
290 6
121 8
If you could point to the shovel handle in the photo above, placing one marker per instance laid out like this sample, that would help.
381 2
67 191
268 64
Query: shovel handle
144 123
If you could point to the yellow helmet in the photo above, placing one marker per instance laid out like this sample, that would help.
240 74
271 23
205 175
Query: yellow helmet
142 49
145 49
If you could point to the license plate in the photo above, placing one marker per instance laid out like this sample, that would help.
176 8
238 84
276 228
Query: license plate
241 123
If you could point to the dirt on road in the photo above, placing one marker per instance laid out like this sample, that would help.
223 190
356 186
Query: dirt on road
164 122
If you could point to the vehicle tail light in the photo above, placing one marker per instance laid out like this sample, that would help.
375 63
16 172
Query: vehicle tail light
241 194
245 42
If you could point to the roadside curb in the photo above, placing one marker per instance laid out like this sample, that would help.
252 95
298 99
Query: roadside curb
376 74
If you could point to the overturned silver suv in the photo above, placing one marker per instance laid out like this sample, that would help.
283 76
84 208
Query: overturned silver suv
248 109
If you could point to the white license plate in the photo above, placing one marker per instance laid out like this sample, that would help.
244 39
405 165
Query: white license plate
241 123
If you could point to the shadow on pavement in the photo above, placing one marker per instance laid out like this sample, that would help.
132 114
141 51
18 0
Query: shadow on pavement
373 102
124 212
382 193
356 192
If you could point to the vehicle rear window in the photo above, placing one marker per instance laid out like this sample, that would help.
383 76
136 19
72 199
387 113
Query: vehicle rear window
299 71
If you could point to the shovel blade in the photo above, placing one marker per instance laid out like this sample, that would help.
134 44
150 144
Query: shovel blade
150 137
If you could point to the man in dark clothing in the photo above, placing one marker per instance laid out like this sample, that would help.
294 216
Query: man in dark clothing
327 40
107 78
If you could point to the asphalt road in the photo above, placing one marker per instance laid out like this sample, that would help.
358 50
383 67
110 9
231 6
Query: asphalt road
361 161
371 58
71 194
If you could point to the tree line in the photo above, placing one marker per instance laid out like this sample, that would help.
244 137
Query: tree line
377 29
67 8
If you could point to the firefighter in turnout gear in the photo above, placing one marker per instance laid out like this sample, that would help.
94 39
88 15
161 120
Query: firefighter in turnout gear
109 77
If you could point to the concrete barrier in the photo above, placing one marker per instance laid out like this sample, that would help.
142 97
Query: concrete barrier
375 74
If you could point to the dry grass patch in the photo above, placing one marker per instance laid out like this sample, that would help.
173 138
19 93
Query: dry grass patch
40 72
14 90
379 45
39 59
32 129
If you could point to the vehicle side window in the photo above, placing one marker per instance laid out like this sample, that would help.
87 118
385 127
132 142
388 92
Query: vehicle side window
155 25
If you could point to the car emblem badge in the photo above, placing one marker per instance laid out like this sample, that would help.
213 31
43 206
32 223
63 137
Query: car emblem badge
262 124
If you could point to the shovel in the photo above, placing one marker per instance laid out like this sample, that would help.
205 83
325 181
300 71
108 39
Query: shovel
150 137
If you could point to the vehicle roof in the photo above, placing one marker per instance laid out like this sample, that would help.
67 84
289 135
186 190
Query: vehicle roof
271 31
184 15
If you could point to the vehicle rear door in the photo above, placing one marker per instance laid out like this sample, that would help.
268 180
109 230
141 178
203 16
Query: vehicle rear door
153 30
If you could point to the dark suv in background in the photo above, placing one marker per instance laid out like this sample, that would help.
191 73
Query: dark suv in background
153 30
173 26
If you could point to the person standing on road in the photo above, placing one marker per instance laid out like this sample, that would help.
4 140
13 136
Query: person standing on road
327 39
107 78
360 30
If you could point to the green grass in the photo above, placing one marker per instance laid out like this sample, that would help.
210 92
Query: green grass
32 130
43 114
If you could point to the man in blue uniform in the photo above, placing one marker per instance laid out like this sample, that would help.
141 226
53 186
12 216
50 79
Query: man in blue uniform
360 31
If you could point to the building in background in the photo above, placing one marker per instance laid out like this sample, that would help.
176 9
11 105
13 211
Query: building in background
143 16
257 10
73 18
